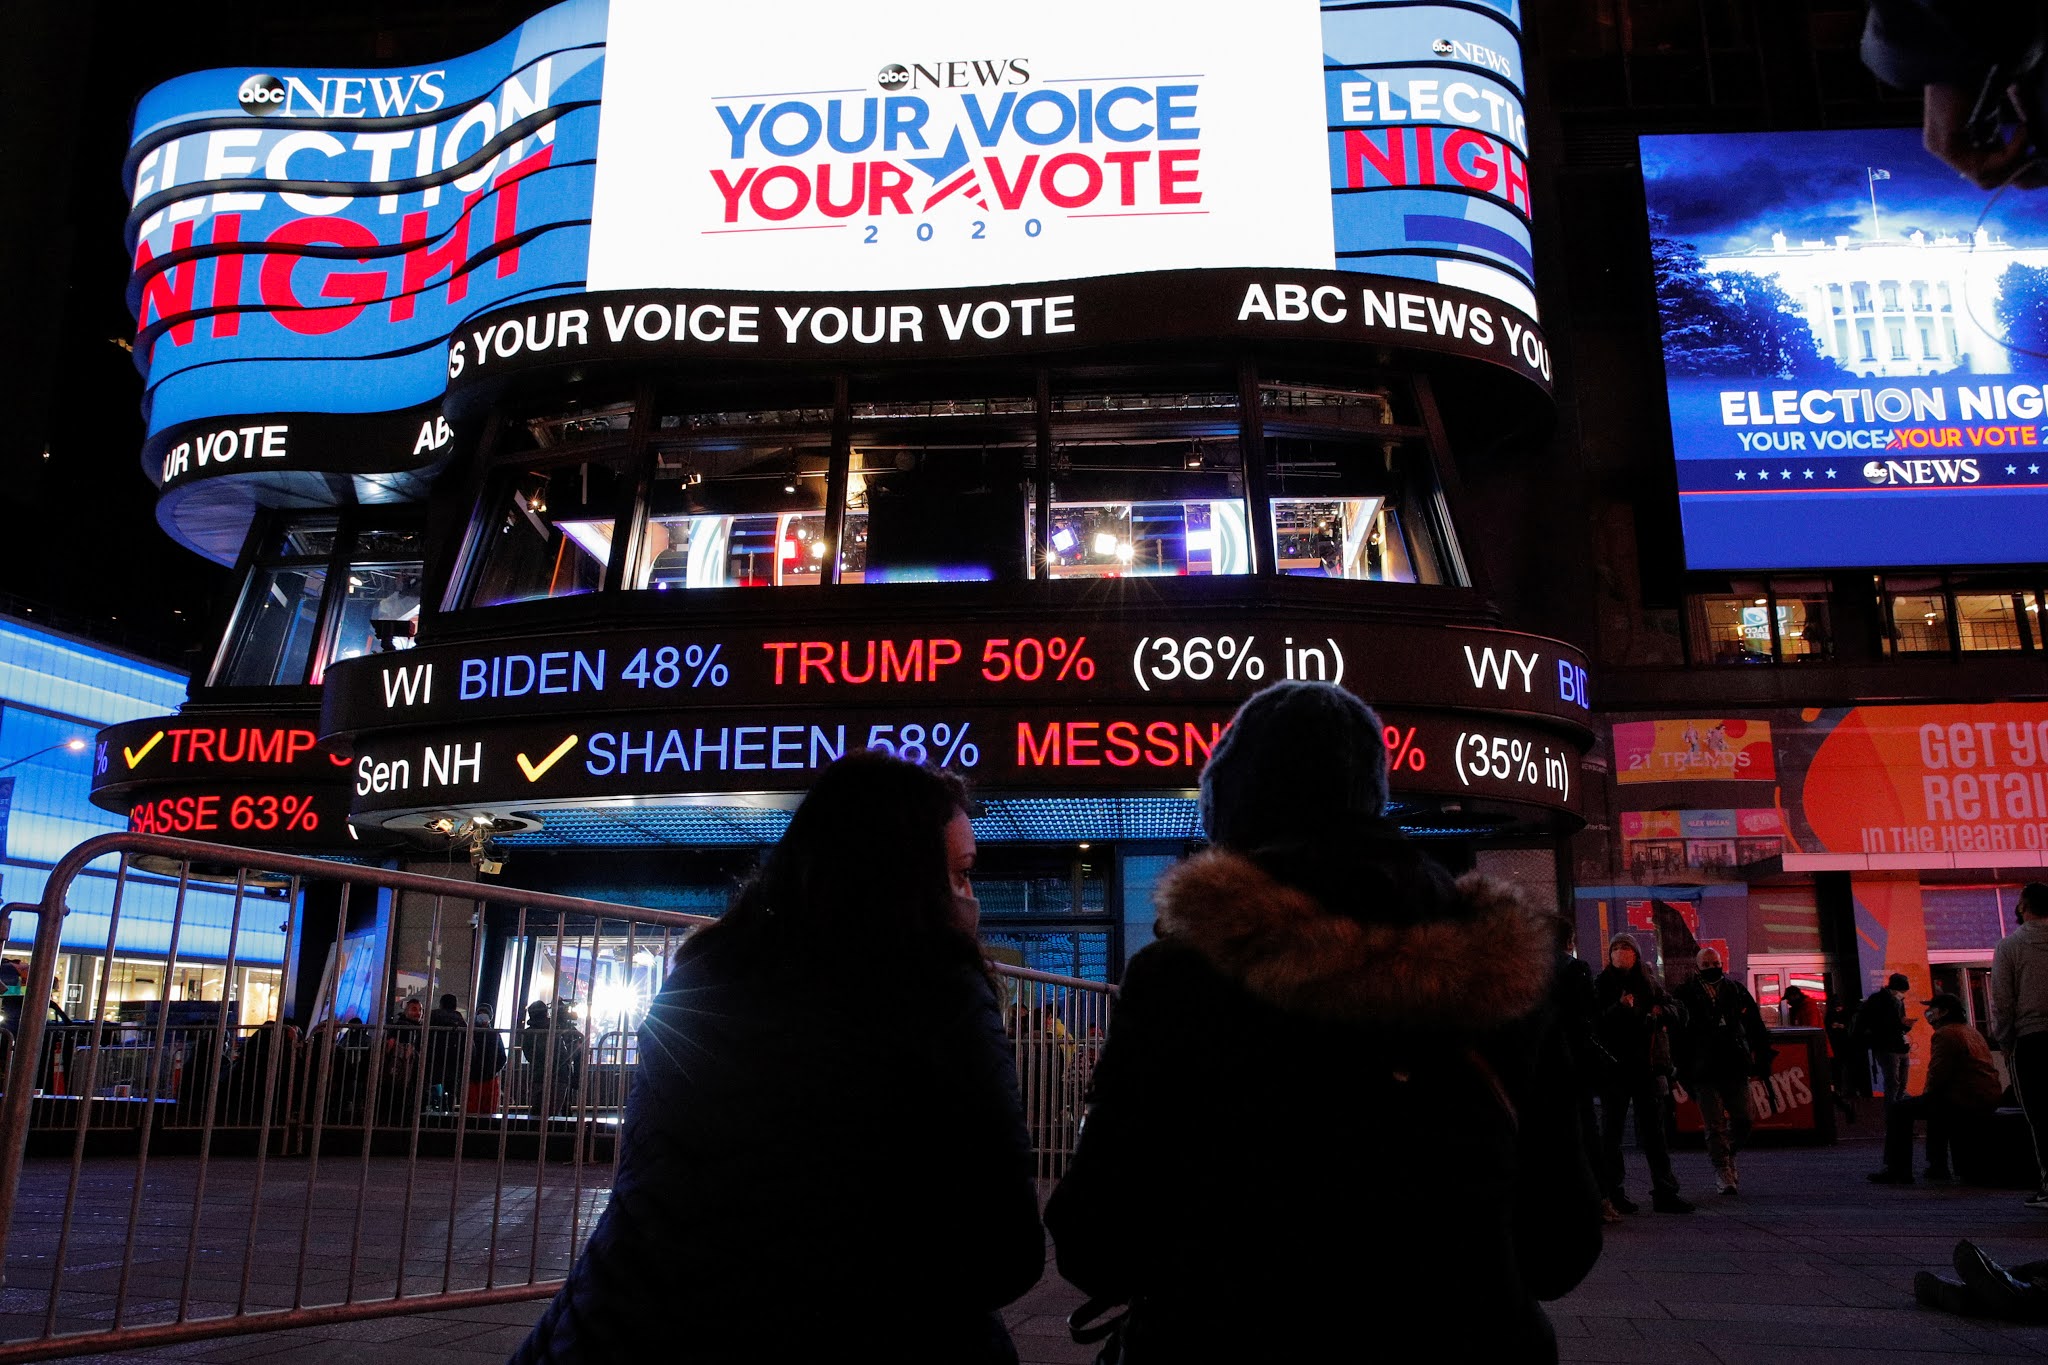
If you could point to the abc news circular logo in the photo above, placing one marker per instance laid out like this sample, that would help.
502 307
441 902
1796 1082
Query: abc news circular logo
261 95
894 76
1443 47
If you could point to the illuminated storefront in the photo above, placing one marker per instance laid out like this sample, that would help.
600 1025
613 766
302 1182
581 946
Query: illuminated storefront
1846 780
56 691
602 460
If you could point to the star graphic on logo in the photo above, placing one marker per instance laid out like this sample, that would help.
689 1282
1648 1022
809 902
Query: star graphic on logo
1784 473
1740 475
2033 469
1763 474
1831 473
2012 469
1807 472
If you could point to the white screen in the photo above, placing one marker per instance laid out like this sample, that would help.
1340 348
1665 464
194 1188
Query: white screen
1245 98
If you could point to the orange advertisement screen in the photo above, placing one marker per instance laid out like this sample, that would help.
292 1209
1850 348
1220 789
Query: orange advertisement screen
1931 779
1693 751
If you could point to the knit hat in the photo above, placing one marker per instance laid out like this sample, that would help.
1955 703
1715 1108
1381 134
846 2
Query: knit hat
1300 761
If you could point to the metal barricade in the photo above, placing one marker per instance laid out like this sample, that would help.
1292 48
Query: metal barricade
281 1179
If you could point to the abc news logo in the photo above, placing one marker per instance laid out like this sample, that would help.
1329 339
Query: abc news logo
955 75
261 95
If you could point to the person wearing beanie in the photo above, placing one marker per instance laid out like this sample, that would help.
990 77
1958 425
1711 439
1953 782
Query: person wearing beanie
1635 1020
1332 1099
1723 1045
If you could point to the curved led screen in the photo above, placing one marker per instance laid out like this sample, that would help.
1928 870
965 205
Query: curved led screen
306 241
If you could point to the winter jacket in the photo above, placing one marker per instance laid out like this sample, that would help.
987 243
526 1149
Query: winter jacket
1721 1034
487 1055
1881 1022
1961 1072
1312 1134
444 1046
1628 1031
1577 1009
811 1170
2019 984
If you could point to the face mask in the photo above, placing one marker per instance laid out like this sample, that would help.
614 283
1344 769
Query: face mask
1710 974
966 912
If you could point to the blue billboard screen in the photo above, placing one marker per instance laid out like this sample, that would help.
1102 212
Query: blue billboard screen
1855 345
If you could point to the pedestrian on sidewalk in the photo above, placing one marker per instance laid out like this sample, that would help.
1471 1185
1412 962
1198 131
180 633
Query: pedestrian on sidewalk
1331 1111
487 1058
1575 1005
2019 1018
444 1056
1961 1093
1636 1016
1881 1029
824 1156
1723 1044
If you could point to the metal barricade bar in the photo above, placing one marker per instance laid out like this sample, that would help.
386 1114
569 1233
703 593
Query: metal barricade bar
264 1161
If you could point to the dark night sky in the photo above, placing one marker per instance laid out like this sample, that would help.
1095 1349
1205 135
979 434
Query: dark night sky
80 544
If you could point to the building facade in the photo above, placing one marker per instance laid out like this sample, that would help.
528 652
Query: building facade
589 490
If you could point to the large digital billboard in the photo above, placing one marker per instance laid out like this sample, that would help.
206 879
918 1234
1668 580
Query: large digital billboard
307 240
1855 345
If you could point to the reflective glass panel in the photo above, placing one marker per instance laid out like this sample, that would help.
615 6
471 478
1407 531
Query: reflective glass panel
1989 620
1358 510
1805 630
547 534
746 518
1919 616
275 630
937 514
1147 509
381 602
1735 630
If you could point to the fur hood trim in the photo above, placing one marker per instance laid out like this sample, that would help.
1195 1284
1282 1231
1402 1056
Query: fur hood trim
1487 965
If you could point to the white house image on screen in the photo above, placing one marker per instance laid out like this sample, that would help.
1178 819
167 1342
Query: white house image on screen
1898 306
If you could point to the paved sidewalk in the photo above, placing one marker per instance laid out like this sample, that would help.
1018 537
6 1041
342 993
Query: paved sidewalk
1811 1265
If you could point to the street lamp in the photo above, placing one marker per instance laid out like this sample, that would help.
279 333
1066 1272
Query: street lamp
74 744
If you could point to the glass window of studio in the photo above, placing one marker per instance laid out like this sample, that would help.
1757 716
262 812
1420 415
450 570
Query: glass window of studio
277 623
380 602
546 532
931 513
1358 509
1988 619
745 516
1146 508
1805 630
1916 612
1734 628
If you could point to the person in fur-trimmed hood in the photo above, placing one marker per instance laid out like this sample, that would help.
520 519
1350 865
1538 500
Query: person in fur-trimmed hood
1331 1113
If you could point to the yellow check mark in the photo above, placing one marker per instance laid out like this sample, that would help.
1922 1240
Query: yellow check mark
536 771
135 756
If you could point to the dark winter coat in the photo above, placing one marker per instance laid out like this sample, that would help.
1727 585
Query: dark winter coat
1577 1008
1881 1023
444 1046
1312 1135
487 1055
1627 1031
1722 1037
812 1171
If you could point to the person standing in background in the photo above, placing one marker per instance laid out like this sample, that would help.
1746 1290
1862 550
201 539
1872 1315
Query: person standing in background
1577 1008
1881 1027
1634 1012
1725 1045
2019 1019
